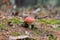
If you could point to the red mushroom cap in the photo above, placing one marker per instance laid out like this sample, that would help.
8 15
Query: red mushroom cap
29 19
9 6
7 1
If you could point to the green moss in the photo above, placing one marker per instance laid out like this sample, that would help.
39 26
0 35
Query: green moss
15 34
52 38
35 28
39 33
3 27
43 20
50 21
17 21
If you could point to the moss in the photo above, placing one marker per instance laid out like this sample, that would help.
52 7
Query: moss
17 21
35 28
39 33
15 34
50 21
52 37
1 27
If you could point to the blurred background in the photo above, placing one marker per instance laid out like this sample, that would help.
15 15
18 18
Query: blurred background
35 2
21 3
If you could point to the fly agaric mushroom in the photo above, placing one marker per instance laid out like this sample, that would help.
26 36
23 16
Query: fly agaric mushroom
7 1
9 6
29 20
